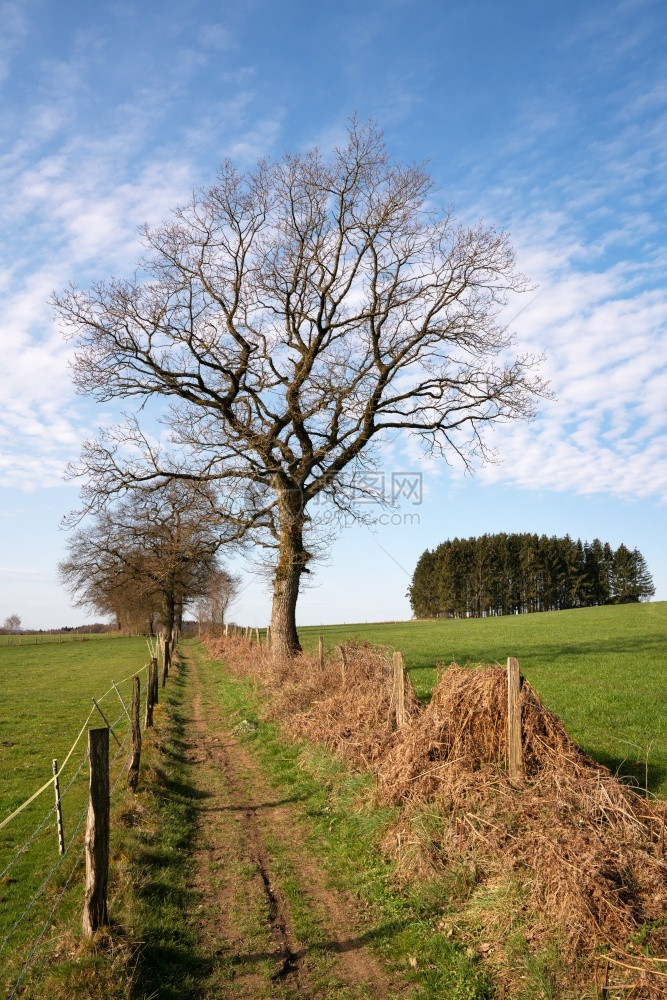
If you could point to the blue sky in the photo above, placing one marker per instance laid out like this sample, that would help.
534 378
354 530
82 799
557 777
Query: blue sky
549 120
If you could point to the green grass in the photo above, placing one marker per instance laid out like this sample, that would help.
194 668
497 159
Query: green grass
603 670
45 698
150 948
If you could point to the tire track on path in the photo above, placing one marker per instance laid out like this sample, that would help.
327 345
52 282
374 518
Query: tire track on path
239 879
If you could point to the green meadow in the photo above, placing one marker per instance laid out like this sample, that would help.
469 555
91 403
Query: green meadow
602 670
46 692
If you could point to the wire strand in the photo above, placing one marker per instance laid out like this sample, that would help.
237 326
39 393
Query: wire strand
51 780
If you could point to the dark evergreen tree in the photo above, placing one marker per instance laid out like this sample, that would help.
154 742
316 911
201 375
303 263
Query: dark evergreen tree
423 591
517 573
642 580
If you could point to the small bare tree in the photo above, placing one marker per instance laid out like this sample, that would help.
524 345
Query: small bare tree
212 607
11 623
145 557
293 315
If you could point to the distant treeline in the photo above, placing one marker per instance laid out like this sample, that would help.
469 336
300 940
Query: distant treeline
513 574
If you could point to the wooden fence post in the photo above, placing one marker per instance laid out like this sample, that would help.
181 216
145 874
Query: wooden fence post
97 834
59 810
343 663
514 745
156 681
133 770
320 651
150 690
268 636
257 638
399 689
166 660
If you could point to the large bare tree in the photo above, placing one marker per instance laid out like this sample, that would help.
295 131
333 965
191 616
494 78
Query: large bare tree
292 315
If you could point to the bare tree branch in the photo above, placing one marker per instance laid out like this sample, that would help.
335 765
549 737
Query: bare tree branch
291 316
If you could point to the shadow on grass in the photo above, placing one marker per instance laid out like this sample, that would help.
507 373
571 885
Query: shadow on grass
632 772
383 933
169 963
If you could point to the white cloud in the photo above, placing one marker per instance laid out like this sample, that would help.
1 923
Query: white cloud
587 218
71 200
216 37
605 342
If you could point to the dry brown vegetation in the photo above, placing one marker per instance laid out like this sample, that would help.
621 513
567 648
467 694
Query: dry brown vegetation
571 855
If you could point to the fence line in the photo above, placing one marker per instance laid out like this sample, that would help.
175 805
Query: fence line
51 780
43 823
45 927
46 881
122 718
55 638
67 849
648 752
50 916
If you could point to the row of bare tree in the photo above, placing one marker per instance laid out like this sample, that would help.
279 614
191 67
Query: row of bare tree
145 559
290 318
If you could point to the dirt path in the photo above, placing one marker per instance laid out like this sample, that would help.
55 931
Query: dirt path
268 923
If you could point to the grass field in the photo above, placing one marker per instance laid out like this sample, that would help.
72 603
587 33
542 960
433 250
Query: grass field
603 670
45 698
40 638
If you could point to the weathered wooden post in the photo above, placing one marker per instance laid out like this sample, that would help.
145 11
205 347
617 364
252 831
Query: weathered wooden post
150 691
343 663
257 638
320 651
166 659
133 769
514 741
97 834
226 629
59 810
156 680
399 689
268 636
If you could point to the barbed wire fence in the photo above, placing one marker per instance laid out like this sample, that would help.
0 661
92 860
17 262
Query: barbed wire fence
28 913
50 638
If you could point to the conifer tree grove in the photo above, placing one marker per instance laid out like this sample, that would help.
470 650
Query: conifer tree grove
513 574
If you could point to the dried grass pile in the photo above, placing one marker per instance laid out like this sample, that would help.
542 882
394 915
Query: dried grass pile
346 704
587 850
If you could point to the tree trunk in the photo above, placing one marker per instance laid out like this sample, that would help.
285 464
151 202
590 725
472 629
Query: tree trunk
169 611
292 560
